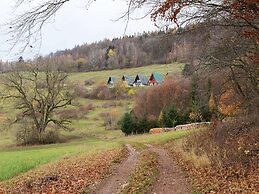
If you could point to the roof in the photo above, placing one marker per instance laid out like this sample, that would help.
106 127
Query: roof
158 77
112 80
142 78
128 79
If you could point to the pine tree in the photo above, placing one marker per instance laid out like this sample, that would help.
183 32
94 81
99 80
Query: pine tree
127 124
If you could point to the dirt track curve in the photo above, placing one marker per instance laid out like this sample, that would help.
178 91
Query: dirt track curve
170 178
114 183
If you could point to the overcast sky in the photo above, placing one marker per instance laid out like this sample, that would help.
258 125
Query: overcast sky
74 25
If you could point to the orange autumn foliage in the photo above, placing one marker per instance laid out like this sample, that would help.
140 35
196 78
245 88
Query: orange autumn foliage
227 106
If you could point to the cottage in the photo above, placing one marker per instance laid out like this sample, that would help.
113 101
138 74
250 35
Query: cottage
127 80
140 80
155 79
111 81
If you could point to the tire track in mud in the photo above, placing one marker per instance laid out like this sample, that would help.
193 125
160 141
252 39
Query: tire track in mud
114 183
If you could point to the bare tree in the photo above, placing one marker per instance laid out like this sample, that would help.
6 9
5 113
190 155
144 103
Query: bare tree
26 27
38 95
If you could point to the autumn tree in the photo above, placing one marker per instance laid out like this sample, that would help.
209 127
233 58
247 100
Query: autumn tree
81 62
152 101
37 96
111 57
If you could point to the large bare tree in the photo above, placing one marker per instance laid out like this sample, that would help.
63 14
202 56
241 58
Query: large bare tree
38 95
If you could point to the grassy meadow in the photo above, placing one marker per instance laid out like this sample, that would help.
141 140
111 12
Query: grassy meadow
102 76
17 160
89 136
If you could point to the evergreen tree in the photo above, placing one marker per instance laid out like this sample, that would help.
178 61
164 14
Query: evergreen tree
170 117
127 124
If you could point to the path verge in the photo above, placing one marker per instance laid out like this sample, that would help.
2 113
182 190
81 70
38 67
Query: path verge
170 178
119 178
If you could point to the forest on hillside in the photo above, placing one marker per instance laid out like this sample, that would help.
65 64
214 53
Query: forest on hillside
158 47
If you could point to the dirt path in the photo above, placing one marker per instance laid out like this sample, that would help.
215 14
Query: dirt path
171 179
119 178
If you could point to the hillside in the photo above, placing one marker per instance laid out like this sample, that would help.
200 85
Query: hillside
97 156
89 127
158 47
98 77
102 76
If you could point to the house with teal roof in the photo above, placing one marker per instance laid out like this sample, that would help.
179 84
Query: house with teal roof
155 79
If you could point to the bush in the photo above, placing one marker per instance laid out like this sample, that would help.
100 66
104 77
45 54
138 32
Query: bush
79 113
88 82
170 117
51 137
130 125
228 143
111 119
188 70
86 108
27 135
153 100
103 92
70 114
144 125
80 91
112 104
127 124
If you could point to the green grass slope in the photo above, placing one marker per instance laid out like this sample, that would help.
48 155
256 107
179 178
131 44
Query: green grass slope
90 133
102 76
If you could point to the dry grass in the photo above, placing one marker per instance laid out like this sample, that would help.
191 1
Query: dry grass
144 175
198 161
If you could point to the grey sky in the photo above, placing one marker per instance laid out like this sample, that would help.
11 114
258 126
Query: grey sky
74 25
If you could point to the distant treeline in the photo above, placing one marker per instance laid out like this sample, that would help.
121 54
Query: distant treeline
182 45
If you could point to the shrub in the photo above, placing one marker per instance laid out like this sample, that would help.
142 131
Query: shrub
111 119
103 92
88 82
74 113
228 143
86 108
152 101
80 91
127 124
170 117
26 135
144 125
112 104
130 125
51 137
69 114
188 70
